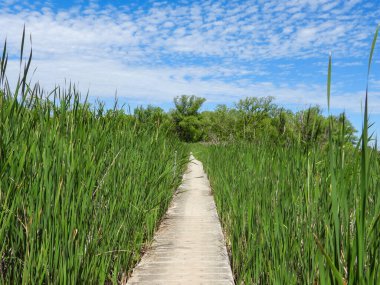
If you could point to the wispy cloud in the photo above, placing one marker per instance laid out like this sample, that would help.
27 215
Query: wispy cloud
222 50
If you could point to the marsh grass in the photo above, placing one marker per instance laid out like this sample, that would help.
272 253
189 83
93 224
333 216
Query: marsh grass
296 215
81 188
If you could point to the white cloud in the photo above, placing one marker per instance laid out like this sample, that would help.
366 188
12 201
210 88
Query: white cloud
161 84
203 48
199 29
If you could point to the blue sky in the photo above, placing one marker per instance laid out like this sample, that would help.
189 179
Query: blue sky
151 51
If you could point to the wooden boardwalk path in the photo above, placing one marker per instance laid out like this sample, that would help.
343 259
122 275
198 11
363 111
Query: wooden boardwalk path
189 246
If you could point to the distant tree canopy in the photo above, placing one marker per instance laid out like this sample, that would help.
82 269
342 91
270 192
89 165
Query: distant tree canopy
255 114
150 115
250 119
187 120
253 119
188 105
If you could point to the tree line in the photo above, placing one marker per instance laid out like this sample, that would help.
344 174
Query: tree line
250 119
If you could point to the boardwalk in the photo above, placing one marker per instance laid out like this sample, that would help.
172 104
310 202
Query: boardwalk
189 246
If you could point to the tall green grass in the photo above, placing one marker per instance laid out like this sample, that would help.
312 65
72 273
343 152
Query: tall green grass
296 215
81 189
284 223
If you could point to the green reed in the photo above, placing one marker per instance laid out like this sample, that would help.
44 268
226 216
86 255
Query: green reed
81 188
296 215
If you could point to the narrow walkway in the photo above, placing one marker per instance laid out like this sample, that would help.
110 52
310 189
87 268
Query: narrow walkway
189 246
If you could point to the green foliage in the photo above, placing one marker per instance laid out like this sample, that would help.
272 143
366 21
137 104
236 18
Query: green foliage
254 113
188 105
252 119
81 188
150 115
302 213
279 205
153 118
187 119
220 125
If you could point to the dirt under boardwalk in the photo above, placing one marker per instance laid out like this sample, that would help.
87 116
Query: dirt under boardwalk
189 246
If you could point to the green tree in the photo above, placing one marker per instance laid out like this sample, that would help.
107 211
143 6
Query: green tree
220 125
343 131
187 119
311 125
150 115
254 114
284 123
